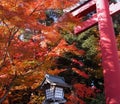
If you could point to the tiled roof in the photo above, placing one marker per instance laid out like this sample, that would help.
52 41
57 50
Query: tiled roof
54 80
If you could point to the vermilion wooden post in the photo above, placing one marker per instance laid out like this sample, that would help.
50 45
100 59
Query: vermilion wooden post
110 62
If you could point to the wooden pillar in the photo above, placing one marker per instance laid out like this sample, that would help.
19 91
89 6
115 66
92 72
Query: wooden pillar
110 62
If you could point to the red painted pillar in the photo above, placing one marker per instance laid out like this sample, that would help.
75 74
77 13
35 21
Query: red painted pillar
110 63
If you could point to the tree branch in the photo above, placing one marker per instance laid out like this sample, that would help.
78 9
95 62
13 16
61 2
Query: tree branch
7 90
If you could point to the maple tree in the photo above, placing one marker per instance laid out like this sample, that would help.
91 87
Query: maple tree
25 42
89 42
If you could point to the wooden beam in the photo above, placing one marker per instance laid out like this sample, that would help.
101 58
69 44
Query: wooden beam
75 6
86 8
114 8
110 60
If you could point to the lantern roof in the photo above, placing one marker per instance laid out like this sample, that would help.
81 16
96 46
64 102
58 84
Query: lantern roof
54 80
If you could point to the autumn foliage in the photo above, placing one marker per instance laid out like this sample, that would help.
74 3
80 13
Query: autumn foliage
29 49
81 91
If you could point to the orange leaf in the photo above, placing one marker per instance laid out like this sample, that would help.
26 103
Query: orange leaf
81 73
78 62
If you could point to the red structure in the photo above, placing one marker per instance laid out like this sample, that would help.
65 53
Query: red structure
110 61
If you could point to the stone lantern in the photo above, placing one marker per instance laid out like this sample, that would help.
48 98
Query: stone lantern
54 89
